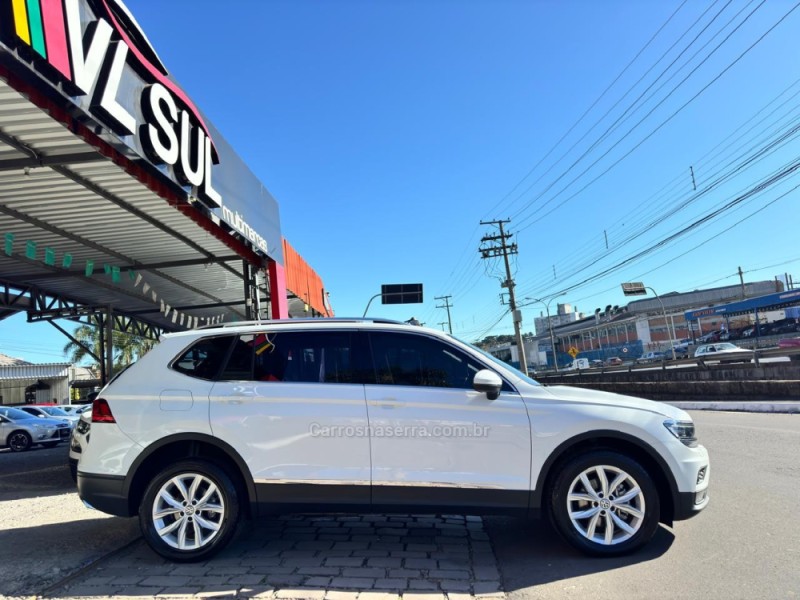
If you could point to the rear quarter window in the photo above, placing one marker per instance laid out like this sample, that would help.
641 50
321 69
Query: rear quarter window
204 358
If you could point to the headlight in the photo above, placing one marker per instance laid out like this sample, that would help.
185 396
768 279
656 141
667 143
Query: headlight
683 430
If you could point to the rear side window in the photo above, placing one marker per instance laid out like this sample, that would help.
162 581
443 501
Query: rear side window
295 357
204 358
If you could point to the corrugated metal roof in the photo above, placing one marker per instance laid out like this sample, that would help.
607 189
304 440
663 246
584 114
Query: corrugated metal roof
33 372
85 206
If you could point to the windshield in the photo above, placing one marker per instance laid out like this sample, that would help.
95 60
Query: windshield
496 361
53 411
15 414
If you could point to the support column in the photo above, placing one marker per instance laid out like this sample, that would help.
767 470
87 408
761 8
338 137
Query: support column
109 357
101 359
248 294
279 304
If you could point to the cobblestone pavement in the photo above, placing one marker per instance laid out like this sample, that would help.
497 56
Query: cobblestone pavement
373 557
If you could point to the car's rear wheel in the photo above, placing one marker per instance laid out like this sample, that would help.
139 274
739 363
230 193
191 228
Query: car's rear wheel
190 511
605 503
19 441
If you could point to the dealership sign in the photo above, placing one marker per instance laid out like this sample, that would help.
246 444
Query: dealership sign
96 51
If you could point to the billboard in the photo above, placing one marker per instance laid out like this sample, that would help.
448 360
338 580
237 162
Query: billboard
401 293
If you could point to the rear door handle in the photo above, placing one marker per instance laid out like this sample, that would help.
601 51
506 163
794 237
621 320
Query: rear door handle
388 403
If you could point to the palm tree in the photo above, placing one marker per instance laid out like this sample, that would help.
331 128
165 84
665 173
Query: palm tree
127 347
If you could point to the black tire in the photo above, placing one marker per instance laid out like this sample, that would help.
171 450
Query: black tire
206 532
595 522
19 441
49 444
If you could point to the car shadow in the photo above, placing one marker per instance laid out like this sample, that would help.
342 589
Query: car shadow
531 553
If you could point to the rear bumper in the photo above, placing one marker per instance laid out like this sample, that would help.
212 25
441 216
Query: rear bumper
106 493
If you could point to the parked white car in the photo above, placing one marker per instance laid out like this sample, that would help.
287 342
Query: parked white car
724 351
577 365
218 424
76 441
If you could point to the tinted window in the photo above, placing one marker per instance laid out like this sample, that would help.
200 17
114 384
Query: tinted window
204 358
14 414
407 359
294 356
54 412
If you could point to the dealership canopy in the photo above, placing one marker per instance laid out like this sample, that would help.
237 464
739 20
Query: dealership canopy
119 200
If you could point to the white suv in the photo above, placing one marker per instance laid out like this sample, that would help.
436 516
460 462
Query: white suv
219 424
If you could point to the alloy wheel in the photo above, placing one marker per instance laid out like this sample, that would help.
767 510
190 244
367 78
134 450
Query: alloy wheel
606 505
19 441
188 511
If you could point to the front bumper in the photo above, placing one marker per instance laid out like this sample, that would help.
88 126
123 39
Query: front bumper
694 475
690 504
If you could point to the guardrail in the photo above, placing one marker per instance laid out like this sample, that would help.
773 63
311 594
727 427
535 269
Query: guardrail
792 354
714 378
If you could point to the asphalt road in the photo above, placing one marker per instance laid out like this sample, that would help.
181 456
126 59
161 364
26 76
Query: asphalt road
746 544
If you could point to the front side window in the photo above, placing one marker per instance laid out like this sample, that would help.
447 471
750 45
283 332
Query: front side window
204 358
416 360
295 357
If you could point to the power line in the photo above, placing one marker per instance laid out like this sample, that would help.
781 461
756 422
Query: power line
587 111
654 131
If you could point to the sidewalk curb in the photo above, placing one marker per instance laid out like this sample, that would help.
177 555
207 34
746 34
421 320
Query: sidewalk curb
752 406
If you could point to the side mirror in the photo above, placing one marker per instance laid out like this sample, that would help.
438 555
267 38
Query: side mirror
488 382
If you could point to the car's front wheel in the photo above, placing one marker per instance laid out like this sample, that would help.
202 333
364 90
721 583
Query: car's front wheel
605 503
190 511
19 441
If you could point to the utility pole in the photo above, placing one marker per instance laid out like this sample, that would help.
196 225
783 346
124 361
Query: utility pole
741 280
447 305
443 323
504 249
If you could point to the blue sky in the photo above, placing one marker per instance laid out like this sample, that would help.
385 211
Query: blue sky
387 130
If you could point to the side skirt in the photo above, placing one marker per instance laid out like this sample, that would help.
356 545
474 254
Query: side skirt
276 498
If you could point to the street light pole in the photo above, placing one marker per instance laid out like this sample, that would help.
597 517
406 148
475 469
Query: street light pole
637 288
670 335
552 338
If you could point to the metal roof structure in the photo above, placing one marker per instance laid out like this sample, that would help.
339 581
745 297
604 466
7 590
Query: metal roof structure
108 211
769 302
78 230
33 372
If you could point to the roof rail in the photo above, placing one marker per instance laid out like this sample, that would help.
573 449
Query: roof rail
302 320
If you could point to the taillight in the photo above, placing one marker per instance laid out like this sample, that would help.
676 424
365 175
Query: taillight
101 412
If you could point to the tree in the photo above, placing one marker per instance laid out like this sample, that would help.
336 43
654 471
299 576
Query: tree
127 348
